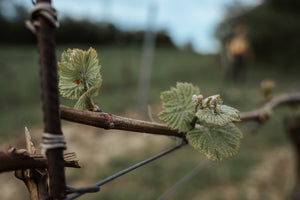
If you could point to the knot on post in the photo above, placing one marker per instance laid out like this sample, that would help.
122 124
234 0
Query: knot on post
42 9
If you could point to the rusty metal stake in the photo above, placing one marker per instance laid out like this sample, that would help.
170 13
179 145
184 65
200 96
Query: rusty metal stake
48 71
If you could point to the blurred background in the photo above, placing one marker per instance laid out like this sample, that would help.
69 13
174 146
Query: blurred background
224 47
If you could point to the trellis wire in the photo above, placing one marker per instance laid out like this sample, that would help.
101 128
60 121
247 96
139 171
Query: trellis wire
187 177
88 189
125 171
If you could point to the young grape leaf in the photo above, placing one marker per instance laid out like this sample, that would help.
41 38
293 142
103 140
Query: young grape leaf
78 72
226 114
178 109
215 141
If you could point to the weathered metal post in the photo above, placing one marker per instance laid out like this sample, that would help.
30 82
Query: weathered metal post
292 125
45 23
146 62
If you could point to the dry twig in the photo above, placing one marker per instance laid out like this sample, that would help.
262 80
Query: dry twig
264 112
34 179
15 159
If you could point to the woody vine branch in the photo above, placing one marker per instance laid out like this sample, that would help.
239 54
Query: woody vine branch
110 121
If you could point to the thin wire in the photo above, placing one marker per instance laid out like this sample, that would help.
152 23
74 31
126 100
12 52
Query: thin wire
90 189
187 177
125 171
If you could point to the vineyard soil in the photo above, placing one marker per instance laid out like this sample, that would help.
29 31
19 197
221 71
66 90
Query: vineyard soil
100 151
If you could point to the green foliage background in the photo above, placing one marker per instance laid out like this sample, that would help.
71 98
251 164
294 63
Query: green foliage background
20 106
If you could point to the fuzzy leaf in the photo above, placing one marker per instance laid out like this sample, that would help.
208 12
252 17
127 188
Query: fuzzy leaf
178 108
78 72
226 115
216 142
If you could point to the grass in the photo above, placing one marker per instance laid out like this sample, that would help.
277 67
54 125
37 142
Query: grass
21 106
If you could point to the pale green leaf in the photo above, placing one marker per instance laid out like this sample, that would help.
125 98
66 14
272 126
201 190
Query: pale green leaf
178 109
226 114
78 72
216 142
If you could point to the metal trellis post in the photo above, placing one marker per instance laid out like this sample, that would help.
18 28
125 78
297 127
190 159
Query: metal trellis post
48 72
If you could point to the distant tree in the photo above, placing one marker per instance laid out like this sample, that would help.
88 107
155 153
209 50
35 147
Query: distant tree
85 31
13 30
12 18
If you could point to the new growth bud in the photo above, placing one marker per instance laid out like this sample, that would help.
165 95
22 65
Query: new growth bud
213 103
197 101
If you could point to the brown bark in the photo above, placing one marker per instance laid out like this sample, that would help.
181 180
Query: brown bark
263 113
292 125
34 179
110 121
